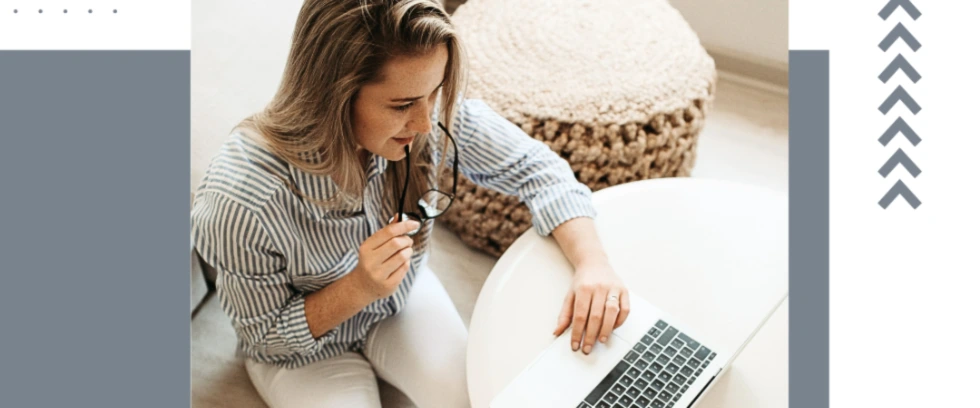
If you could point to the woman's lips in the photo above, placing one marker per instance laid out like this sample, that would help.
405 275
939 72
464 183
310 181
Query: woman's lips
404 140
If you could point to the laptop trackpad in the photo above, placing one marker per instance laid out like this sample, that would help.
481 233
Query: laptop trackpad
560 376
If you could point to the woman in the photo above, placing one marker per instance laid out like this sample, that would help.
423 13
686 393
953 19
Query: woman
323 277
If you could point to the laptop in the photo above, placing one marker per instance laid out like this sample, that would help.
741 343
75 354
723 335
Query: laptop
652 360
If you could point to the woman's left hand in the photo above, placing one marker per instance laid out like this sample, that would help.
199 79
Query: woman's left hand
597 303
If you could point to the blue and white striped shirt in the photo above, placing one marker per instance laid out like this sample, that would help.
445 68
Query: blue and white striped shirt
271 247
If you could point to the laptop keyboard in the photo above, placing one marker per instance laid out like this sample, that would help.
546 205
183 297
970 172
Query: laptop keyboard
654 374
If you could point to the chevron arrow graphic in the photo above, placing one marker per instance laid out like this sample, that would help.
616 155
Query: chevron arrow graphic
897 95
894 4
899 158
899 32
899 189
899 63
895 128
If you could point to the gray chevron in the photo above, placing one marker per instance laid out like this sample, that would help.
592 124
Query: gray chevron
899 189
899 158
894 4
895 128
899 32
899 94
899 63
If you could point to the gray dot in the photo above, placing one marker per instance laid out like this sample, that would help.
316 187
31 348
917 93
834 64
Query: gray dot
40 11
15 11
66 11
90 11
114 11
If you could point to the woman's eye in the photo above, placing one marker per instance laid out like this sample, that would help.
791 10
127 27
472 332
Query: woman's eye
403 108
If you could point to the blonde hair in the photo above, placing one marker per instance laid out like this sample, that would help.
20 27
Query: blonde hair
338 46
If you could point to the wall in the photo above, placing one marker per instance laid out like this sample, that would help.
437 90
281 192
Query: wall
754 30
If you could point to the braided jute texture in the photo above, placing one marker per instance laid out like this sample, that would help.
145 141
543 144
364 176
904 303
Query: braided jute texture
618 88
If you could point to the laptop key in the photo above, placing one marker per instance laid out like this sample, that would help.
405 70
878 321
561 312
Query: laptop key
683 390
702 353
661 324
657 367
607 382
647 340
686 352
633 373
662 359
650 393
698 372
680 360
664 376
690 381
670 352
671 387
658 404
656 349
603 404
582 405
618 389
626 381
641 383
643 401
631 357
619 406
626 400
690 342
693 362
657 385
671 368
654 332
648 356
664 395
711 357
667 336
633 392
679 379
677 343
639 347
610 398
671 404
642 364
687 371
705 364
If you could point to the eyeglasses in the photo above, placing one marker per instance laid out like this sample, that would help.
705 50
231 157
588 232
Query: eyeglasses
434 202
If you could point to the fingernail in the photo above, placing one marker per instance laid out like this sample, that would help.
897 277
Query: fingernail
574 346
603 339
587 349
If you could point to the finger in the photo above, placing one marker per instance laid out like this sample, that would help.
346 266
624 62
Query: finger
594 321
609 316
624 307
396 261
582 302
565 317
391 231
390 248
399 273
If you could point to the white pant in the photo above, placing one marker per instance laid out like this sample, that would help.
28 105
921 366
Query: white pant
421 351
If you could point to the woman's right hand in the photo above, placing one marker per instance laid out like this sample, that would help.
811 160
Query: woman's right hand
383 260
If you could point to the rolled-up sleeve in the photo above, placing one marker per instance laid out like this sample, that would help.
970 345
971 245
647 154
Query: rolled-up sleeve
253 283
496 154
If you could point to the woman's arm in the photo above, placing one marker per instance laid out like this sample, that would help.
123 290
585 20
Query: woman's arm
496 154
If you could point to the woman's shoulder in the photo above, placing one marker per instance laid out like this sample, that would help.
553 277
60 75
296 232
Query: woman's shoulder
245 170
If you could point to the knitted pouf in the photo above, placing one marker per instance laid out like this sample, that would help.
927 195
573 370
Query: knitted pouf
618 88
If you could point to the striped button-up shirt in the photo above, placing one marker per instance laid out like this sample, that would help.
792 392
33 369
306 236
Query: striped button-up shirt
271 247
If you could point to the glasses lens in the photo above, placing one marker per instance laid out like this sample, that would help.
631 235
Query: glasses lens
434 203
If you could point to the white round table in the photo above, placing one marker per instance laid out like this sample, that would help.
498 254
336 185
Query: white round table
712 253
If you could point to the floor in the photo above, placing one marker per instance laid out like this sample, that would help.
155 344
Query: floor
745 140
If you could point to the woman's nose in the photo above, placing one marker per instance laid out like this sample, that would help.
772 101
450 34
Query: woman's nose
420 122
